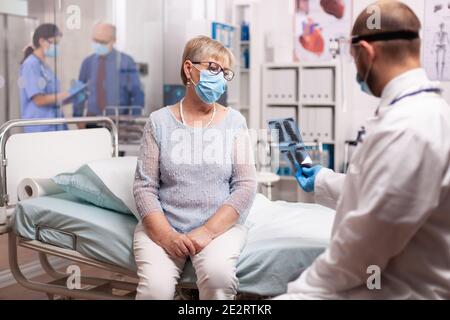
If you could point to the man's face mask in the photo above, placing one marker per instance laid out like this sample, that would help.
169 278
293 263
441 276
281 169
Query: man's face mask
381 36
362 81
100 49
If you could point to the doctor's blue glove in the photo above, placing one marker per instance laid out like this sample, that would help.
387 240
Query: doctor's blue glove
75 86
306 177
81 96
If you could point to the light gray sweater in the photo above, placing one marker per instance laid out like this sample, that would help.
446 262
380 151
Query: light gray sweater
189 173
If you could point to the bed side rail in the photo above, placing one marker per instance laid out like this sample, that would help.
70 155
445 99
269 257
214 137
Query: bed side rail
7 131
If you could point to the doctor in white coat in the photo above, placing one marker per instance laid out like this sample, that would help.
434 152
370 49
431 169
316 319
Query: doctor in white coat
391 238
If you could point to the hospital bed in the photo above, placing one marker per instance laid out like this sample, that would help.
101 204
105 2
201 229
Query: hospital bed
284 238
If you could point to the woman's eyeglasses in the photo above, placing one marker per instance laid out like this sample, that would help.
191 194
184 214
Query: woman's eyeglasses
215 69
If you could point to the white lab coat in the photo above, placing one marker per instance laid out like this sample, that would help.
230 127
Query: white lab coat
393 207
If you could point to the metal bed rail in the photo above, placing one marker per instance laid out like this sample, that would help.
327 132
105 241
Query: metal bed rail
5 131
97 288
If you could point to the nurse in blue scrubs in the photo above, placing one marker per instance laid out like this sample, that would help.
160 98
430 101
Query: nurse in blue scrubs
39 87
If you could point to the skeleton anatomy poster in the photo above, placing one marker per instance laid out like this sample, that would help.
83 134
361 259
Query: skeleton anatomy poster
436 39
317 24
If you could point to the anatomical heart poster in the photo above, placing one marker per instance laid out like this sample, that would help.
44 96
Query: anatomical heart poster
436 40
319 23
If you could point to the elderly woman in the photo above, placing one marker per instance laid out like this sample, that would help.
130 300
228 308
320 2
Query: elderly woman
195 183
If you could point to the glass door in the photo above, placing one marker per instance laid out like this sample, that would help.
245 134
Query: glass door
3 77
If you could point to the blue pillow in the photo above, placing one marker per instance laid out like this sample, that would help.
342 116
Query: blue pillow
86 185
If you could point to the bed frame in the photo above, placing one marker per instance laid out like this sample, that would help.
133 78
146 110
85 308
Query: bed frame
93 288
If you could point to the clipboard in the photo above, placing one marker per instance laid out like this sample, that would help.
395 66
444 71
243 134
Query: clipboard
74 94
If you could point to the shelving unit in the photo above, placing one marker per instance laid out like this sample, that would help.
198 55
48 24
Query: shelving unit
249 74
309 93
230 36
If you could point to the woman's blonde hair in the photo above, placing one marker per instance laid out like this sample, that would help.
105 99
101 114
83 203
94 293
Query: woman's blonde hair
201 48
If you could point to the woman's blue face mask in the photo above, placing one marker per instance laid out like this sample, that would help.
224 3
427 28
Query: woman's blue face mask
52 51
210 87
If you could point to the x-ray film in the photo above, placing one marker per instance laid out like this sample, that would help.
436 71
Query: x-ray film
290 143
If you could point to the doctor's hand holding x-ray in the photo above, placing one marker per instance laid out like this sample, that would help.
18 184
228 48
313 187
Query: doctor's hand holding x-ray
391 237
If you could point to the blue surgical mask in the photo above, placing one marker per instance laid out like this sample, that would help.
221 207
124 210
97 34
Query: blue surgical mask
363 82
363 85
210 87
100 49
52 51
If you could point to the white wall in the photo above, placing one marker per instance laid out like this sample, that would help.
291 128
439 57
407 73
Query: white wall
279 15
183 20
143 38
18 7
176 15
278 29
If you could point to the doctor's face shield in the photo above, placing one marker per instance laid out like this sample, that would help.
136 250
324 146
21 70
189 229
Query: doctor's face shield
356 51
384 36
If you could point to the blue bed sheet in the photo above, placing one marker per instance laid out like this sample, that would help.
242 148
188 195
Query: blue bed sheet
283 238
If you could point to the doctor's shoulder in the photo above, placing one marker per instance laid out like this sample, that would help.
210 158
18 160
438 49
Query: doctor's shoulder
87 62
426 120
89 59
417 112
127 62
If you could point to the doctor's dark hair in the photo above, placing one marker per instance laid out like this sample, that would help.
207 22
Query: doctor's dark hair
395 16
44 31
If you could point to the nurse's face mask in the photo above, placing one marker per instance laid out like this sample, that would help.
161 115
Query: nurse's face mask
52 49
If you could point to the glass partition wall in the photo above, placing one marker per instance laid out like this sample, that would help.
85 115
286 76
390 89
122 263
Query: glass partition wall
144 71
15 31
132 72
